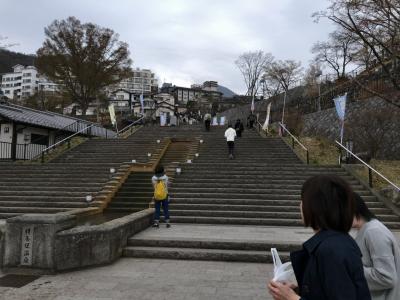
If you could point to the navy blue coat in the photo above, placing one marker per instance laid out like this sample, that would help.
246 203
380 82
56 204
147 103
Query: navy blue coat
329 267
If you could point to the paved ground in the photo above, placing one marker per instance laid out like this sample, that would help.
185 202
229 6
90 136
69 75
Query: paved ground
144 279
153 279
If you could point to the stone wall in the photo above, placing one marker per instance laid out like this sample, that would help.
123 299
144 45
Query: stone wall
49 243
326 124
100 244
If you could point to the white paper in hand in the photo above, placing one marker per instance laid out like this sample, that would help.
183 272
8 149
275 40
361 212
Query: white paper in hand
282 272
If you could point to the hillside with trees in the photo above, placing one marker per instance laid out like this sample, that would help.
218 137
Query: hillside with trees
8 59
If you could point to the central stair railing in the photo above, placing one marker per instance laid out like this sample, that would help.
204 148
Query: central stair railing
294 139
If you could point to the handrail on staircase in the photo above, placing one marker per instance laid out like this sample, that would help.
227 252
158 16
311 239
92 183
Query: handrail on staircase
125 129
370 168
67 139
294 139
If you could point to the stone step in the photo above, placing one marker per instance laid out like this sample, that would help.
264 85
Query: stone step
34 198
196 243
46 188
46 193
234 207
201 254
232 193
54 204
256 214
27 209
236 221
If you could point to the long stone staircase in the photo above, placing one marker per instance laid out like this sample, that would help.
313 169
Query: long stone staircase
257 191
64 183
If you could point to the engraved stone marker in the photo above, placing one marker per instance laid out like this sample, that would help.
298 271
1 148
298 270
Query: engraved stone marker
26 245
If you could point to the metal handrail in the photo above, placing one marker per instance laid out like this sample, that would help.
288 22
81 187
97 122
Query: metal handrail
370 168
129 126
294 139
63 141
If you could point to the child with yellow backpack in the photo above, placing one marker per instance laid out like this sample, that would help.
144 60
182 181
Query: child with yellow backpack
161 197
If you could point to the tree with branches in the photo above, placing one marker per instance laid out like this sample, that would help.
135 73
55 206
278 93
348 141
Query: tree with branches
84 58
336 53
376 25
252 65
284 73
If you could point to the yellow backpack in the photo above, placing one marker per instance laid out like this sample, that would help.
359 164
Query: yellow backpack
160 191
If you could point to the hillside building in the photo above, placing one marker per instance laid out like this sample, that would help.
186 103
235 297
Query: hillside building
24 82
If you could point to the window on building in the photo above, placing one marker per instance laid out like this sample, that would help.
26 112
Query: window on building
39 139
6 91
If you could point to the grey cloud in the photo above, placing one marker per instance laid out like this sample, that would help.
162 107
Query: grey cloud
182 41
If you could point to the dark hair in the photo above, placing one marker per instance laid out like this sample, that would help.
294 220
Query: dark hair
362 210
229 125
159 170
327 203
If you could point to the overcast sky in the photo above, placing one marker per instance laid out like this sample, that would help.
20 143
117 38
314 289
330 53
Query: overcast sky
182 41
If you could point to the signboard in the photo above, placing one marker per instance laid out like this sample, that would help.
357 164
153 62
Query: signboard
26 245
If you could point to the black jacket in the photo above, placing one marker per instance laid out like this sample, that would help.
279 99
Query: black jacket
329 267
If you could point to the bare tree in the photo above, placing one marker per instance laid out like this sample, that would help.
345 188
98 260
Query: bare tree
252 65
271 87
336 53
84 58
284 73
376 24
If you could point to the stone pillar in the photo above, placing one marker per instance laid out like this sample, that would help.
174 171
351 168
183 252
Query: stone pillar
29 242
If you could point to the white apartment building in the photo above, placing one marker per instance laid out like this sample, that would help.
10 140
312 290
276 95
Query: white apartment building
24 82
143 81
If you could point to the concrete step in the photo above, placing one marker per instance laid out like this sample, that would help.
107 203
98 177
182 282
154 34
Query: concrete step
197 243
202 254
236 221
55 204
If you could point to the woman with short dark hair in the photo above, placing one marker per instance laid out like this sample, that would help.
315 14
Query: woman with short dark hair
329 265
380 253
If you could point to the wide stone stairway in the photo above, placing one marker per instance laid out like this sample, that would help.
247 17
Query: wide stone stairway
226 209
64 183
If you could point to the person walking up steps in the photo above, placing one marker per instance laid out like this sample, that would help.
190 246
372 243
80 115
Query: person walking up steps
161 197
230 135
207 121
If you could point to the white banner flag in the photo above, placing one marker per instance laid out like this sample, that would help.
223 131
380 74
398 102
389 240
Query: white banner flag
112 114
142 103
265 126
252 105
340 104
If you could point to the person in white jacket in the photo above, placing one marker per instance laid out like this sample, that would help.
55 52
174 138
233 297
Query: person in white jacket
380 253
230 135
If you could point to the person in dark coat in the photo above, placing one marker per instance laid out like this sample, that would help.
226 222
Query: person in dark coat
239 128
329 266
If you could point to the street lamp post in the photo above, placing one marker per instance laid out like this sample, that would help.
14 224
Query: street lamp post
284 104
318 75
